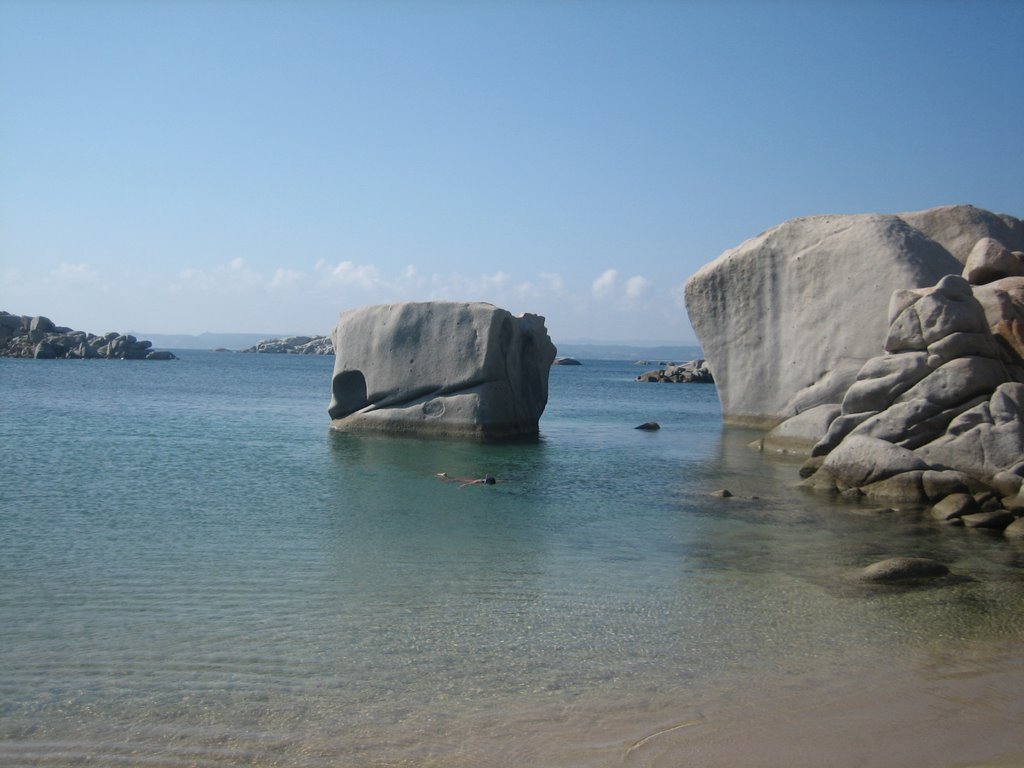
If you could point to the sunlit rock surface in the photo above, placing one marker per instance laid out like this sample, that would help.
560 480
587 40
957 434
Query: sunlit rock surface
446 369
787 318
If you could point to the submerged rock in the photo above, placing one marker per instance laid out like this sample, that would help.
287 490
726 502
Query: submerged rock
903 568
448 369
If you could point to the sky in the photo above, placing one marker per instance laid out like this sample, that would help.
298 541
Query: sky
176 166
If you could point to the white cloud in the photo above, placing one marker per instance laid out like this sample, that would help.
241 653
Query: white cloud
74 273
497 280
552 281
547 284
284 278
605 284
637 286
348 273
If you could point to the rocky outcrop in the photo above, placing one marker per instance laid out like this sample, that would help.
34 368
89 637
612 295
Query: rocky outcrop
294 345
800 308
947 394
693 372
934 415
938 418
39 337
447 369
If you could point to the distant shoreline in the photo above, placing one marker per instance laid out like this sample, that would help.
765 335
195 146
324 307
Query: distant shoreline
591 351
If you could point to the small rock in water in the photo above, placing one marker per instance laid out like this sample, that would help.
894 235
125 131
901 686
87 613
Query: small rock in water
725 493
649 426
1015 530
996 520
901 568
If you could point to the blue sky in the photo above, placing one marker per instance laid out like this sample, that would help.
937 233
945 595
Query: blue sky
259 166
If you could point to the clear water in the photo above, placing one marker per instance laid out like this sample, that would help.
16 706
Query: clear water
195 571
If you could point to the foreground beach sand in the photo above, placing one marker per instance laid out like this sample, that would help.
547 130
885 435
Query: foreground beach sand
945 711
966 712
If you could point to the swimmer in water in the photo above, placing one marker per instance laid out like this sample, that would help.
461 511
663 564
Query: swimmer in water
487 479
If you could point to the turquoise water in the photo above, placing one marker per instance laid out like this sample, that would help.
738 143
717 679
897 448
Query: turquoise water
195 571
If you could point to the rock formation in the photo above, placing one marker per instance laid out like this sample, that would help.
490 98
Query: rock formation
800 308
294 345
445 369
693 372
946 397
935 415
39 337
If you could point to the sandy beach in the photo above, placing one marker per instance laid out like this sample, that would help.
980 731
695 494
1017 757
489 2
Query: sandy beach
969 714
955 710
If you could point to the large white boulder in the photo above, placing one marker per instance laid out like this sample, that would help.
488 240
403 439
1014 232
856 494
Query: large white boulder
448 369
787 318
781 312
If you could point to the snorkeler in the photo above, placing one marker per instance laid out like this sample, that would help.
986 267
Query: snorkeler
487 479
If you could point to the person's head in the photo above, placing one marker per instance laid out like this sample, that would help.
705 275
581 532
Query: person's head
489 479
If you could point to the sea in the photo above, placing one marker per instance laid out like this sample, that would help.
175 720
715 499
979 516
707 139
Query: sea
196 571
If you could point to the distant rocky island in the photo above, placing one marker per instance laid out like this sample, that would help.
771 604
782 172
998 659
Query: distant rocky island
693 372
294 345
39 337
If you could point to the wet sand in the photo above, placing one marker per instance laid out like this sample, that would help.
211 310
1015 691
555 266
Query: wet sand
971 714
951 712
947 710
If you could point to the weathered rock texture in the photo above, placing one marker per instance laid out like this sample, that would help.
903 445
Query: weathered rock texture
787 319
294 345
39 337
444 369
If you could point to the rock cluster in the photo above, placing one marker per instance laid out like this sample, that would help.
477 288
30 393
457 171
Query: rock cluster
295 345
693 372
934 415
940 414
445 369
39 337
800 308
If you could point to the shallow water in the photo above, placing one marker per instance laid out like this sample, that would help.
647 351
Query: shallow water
194 570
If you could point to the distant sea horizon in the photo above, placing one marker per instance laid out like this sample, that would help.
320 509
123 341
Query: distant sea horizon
653 351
